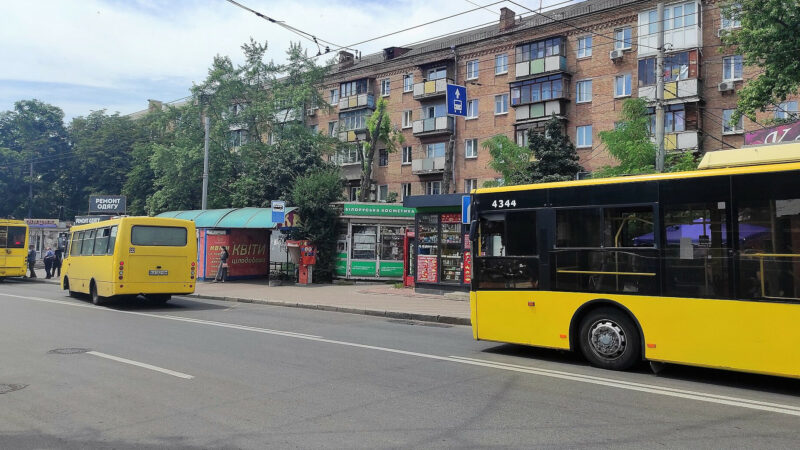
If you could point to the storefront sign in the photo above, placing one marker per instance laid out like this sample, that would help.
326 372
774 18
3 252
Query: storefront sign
427 269
774 135
467 267
377 210
451 218
107 204
42 223
83 220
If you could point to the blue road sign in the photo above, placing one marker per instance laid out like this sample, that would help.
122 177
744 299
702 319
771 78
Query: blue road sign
278 211
466 202
456 100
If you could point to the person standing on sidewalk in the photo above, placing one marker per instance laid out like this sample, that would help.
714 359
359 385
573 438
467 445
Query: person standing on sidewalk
57 263
31 261
49 258
222 271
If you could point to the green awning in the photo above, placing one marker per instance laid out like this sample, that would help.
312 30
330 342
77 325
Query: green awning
227 218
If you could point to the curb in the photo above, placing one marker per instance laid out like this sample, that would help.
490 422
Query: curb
367 312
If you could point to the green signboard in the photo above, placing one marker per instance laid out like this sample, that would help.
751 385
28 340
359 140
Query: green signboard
377 210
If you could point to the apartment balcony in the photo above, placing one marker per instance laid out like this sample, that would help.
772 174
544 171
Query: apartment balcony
681 140
287 115
434 126
539 111
539 66
357 101
353 135
674 91
427 166
350 171
431 89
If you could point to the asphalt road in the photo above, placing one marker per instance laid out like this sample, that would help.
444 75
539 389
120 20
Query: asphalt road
208 374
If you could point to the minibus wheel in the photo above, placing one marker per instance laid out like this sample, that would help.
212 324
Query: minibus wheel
609 339
96 299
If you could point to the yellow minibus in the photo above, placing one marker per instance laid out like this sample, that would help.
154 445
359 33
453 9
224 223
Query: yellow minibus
151 256
13 248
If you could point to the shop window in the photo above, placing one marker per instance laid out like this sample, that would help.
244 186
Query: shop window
451 258
364 242
391 243
696 259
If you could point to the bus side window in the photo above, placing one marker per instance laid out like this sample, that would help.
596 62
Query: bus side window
101 242
112 240
75 246
88 242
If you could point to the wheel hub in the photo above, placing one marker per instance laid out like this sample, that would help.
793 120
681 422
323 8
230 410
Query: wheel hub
607 339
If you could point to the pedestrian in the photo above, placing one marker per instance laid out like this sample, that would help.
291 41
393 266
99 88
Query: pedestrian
59 259
222 271
49 257
31 261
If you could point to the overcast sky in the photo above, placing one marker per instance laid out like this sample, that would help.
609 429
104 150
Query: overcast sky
86 55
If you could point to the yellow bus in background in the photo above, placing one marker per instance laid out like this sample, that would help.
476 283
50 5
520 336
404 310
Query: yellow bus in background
699 268
13 248
151 256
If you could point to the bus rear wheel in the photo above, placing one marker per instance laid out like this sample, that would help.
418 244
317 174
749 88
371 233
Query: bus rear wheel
96 298
609 339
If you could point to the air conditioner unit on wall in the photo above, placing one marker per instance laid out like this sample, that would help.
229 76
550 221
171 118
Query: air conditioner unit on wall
615 54
311 111
721 32
725 86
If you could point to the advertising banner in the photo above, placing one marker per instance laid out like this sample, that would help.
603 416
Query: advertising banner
780 134
83 220
377 210
107 204
42 223
467 267
427 269
451 218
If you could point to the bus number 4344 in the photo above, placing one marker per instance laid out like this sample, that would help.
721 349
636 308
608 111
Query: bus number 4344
504 204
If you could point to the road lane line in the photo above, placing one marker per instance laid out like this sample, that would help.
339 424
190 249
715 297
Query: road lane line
141 364
576 377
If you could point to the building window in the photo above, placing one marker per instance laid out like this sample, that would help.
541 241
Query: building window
583 91
728 127
406 190
383 157
537 90
470 184
356 87
407 119
786 110
437 73
521 138
433 187
472 109
334 95
584 47
540 49
731 20
471 148
501 104
238 138
622 85
408 82
472 69
353 193
584 138
385 87
732 68
434 150
677 16
678 66
406 155
500 64
314 128
622 38
332 128
383 192
354 120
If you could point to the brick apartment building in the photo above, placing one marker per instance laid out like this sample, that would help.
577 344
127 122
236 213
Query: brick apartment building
580 62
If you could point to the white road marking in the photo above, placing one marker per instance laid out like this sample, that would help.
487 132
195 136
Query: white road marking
141 364
609 382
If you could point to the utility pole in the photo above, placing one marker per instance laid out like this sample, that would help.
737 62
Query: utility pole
206 125
660 154
30 192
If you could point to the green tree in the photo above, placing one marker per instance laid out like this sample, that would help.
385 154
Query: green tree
511 161
313 194
33 132
769 39
555 158
630 142
379 129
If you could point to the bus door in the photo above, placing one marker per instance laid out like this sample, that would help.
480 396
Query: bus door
508 273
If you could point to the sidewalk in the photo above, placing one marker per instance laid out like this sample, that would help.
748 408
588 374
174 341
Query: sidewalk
371 299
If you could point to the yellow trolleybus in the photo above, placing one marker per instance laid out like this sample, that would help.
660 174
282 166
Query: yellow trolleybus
130 256
13 248
699 268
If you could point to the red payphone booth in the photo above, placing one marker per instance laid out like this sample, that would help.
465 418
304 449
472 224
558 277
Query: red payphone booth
409 258
305 256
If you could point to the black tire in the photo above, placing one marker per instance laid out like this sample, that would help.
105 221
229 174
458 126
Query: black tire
96 298
609 339
159 298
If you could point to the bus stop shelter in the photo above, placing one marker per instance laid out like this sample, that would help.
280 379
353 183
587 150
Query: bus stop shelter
246 232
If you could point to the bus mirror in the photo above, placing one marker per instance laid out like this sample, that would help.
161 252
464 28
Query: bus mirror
473 230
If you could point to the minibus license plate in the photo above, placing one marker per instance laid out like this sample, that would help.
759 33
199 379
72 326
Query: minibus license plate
159 272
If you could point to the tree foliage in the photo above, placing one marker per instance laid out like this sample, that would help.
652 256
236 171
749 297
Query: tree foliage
769 39
510 160
555 158
379 129
313 194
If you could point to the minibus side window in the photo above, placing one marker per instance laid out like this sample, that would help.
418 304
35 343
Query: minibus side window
101 241
112 240
88 242
77 240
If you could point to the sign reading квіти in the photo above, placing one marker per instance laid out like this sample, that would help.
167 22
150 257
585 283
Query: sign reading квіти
107 204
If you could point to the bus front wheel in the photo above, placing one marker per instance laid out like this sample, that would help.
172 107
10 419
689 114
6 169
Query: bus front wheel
96 298
609 339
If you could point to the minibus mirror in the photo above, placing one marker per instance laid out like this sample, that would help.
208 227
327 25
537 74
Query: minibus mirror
473 230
